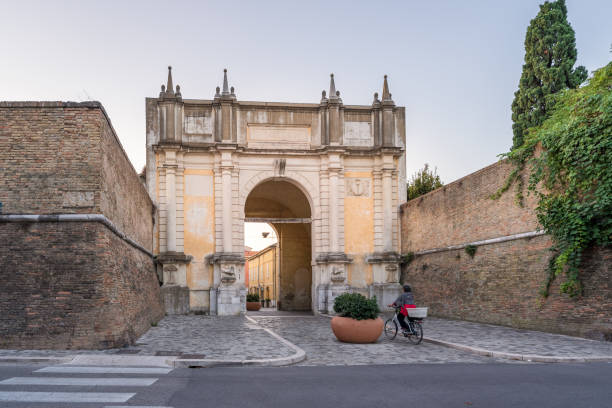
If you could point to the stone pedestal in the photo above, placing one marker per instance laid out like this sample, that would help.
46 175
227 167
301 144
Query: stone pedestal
333 278
385 274
228 296
231 300
385 293
176 299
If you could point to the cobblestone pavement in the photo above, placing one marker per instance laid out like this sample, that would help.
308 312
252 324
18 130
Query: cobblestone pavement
314 335
209 337
236 338
508 340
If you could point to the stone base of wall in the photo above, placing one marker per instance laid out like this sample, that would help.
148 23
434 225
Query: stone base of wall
73 285
501 283
176 299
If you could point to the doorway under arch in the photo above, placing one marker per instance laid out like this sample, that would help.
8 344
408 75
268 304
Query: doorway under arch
285 206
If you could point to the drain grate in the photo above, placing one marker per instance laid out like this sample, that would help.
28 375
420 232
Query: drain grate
128 351
167 353
191 356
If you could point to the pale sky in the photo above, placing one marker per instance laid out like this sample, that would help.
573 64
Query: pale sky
454 65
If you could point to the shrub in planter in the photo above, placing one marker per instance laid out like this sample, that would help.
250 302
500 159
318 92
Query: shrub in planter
253 302
357 320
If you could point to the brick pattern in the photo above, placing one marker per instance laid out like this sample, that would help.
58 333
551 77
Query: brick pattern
73 285
76 284
501 283
43 154
461 212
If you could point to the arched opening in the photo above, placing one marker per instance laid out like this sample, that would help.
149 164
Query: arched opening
286 208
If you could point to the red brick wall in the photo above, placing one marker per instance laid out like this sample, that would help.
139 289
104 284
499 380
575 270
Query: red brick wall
75 284
123 198
46 150
500 284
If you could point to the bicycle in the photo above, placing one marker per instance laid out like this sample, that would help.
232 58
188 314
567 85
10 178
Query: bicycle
415 332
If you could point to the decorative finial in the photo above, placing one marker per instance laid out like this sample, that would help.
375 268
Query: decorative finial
386 96
323 94
178 91
170 87
217 92
225 86
332 86
163 88
338 94
232 90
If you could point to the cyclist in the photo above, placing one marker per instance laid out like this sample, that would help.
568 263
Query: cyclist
404 301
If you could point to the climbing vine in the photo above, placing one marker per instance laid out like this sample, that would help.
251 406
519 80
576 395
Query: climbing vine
569 162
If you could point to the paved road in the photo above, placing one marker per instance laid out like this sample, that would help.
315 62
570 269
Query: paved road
415 385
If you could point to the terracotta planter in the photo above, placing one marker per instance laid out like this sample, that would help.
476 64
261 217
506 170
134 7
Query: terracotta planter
253 306
357 331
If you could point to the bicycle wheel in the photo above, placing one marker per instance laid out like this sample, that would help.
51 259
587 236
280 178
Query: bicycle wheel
417 333
390 329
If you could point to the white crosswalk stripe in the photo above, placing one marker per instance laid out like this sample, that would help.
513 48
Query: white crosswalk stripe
102 382
29 396
103 370
62 395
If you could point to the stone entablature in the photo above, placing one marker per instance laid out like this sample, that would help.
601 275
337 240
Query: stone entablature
204 157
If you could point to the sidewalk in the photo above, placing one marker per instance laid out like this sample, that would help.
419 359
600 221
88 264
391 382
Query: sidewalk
281 338
505 342
183 341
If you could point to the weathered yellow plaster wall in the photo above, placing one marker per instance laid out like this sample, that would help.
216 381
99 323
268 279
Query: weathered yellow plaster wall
295 266
199 233
359 232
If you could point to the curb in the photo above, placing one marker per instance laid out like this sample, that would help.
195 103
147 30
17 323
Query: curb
298 356
515 356
512 356
46 360
174 362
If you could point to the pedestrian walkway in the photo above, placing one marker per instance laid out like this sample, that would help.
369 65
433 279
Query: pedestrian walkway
448 341
506 342
283 338
74 385
314 335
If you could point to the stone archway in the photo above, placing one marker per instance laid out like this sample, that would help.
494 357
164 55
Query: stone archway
285 206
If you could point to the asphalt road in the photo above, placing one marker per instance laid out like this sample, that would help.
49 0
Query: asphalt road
419 385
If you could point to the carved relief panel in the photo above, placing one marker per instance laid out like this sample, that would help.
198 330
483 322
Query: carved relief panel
357 187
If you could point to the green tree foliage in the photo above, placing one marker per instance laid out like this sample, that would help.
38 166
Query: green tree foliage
422 182
550 55
570 170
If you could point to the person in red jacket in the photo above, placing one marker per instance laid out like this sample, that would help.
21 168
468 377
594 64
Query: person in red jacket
404 301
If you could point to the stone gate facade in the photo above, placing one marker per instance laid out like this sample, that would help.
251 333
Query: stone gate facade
205 158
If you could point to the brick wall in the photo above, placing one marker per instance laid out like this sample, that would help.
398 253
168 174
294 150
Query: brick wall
71 284
500 284
49 152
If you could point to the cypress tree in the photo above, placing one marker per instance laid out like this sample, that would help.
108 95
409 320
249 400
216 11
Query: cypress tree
550 55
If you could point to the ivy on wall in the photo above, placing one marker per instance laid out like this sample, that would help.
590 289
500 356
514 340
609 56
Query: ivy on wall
569 163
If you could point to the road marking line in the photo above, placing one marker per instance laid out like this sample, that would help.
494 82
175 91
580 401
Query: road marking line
104 382
104 370
134 406
23 396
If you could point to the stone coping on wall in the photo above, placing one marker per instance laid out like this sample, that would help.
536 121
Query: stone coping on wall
496 240
28 218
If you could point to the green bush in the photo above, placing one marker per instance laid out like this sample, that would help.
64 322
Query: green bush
356 306
252 297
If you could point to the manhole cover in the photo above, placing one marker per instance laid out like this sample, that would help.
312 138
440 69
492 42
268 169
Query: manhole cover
167 353
191 356
128 351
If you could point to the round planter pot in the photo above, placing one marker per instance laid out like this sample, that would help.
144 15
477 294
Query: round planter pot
357 331
253 306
